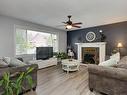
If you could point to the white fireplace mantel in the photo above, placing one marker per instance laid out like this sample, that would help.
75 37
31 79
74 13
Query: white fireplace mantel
100 45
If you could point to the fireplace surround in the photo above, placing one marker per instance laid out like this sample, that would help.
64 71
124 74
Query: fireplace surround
100 45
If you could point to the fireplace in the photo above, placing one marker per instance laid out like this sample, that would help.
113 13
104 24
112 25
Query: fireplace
90 55
95 51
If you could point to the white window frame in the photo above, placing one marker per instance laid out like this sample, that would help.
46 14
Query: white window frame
33 29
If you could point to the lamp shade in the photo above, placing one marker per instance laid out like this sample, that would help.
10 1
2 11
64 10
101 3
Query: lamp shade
119 45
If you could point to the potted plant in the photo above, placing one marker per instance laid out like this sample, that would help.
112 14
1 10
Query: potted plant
61 55
14 86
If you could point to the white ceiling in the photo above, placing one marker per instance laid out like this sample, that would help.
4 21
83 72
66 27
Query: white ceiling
53 12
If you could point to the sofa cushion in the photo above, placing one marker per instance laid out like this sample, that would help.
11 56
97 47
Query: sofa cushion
123 60
16 62
122 65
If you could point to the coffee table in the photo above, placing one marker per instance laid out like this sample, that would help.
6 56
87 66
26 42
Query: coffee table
70 65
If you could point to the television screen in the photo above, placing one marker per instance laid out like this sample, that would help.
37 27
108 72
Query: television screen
44 53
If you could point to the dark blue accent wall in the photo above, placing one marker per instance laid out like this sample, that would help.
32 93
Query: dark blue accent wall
114 33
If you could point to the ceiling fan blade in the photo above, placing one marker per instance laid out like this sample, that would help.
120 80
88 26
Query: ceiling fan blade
77 23
76 26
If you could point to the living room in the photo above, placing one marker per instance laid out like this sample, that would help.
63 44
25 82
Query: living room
72 47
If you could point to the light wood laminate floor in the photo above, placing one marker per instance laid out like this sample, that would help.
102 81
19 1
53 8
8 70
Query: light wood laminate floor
54 81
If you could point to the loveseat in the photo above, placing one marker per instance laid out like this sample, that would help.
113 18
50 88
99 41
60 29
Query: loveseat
14 70
109 80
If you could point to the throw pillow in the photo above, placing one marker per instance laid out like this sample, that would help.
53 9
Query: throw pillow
3 64
116 56
7 60
109 62
15 62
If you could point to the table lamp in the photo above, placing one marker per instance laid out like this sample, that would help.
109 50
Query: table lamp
119 45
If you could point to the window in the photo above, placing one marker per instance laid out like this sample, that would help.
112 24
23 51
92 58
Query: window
28 40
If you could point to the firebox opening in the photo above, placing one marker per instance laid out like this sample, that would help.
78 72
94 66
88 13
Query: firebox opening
90 55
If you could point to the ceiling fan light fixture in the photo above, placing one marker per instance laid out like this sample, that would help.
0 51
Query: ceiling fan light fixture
69 26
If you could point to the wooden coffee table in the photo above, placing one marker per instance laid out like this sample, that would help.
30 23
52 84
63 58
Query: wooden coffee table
70 65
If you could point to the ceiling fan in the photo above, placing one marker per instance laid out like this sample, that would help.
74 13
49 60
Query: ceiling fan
69 24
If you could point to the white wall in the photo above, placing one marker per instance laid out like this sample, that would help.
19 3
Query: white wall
7 34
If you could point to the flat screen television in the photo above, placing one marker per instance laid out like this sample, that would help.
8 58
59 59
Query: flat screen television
44 53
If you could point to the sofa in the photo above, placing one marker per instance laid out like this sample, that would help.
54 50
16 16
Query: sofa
109 80
15 70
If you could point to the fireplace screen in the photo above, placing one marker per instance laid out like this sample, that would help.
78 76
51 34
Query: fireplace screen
90 55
